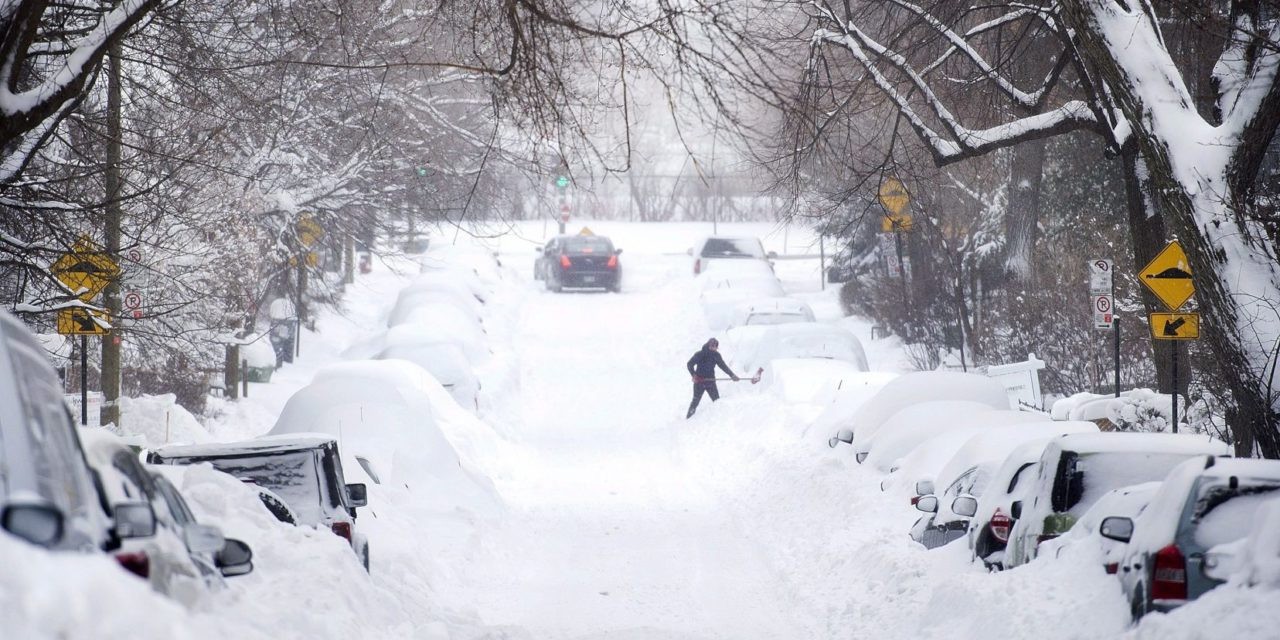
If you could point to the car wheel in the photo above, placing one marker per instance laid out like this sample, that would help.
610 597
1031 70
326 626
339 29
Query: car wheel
555 287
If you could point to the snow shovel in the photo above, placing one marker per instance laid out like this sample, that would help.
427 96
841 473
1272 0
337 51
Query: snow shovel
754 379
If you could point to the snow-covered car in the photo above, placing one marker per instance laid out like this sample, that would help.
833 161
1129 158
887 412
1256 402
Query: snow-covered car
1125 502
1204 502
304 470
767 311
1075 470
48 495
710 251
416 296
449 322
446 361
918 423
916 387
722 292
436 271
964 478
800 340
482 262
179 556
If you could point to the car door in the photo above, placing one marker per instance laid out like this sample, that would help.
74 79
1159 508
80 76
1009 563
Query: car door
173 570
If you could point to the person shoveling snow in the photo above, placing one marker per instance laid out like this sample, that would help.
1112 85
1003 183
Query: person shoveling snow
702 366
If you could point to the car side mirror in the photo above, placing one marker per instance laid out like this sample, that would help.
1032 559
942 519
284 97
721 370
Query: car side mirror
924 487
1116 528
927 504
861 456
134 520
37 523
772 255
235 558
357 494
617 252
203 538
1015 509
964 506
845 436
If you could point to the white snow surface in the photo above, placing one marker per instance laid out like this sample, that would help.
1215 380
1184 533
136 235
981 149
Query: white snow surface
619 519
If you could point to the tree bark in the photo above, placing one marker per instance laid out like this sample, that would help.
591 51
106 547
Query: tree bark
1022 216
111 361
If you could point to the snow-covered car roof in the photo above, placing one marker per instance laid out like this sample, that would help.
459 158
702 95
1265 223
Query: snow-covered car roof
917 424
262 444
1190 444
911 388
993 446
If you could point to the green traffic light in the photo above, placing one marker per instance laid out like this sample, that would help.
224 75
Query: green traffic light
562 181
422 171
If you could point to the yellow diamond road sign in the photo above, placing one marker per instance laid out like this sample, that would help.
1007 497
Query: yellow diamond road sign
309 231
83 322
85 270
1175 326
894 198
1168 276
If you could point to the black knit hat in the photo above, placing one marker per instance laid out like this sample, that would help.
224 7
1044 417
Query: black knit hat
713 343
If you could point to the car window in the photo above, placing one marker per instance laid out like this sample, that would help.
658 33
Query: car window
588 244
1018 475
1086 477
292 475
732 248
177 506
1224 514
141 481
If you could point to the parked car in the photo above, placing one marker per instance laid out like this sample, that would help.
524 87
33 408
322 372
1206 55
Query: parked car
769 311
1254 559
809 341
1077 469
918 423
1126 502
305 471
723 290
580 262
714 249
993 518
964 479
443 360
48 491
1204 502
913 388
180 557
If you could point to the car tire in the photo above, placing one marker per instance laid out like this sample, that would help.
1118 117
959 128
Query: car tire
555 287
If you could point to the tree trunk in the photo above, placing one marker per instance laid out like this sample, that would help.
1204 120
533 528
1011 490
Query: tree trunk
111 223
231 372
1022 215
1148 236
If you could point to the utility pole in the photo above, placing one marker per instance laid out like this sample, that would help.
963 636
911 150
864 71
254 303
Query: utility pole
110 377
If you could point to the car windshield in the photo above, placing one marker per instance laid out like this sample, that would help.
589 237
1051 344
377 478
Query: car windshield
1224 514
816 346
774 318
732 248
588 244
292 475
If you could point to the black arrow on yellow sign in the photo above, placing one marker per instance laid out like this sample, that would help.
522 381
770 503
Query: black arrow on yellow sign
1171 326
1175 326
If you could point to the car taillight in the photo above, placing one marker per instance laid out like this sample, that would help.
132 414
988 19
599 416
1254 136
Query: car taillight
136 563
1111 567
612 263
564 262
1169 575
1000 525
697 266
914 500
343 529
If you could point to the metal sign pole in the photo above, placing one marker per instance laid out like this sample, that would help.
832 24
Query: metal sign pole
1117 327
1175 386
84 380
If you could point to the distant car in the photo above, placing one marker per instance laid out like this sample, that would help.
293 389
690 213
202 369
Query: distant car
580 262
1077 469
48 492
305 471
1204 502
180 557
723 291
767 311
445 361
804 340
722 248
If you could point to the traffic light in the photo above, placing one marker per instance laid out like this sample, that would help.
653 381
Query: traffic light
562 181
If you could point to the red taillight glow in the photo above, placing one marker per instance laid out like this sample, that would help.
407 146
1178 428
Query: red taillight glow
612 263
136 563
914 500
342 529
565 263
1169 575
1000 525
1111 567
697 266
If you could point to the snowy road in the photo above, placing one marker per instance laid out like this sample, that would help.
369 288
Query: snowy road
611 532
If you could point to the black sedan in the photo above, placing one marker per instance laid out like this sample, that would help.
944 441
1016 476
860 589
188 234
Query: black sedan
580 262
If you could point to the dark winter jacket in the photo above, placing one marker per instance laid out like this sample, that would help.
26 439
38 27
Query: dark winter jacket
703 363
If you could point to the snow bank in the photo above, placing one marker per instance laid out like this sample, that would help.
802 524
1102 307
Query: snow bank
160 420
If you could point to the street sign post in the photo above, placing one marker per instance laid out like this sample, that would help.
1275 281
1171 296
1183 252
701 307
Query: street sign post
1103 311
1102 305
79 321
1168 275
85 270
